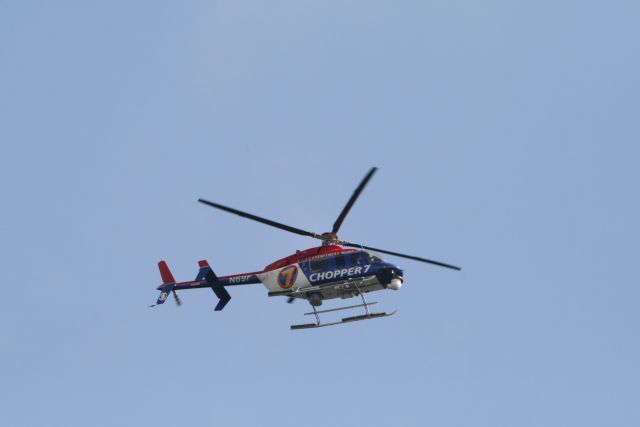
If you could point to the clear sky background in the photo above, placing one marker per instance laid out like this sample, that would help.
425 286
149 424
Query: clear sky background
506 133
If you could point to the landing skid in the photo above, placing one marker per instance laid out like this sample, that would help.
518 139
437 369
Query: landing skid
344 320
367 316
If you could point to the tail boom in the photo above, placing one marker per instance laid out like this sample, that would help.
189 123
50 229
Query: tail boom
206 278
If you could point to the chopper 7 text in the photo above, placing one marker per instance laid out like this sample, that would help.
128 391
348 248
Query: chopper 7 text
337 269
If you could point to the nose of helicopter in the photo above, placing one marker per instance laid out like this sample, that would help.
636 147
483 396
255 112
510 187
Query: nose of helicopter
391 276
397 271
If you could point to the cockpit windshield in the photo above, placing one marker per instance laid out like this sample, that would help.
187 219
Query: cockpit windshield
374 258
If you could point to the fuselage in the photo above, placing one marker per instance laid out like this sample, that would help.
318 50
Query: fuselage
319 273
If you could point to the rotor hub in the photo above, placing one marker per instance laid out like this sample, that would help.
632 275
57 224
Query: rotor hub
330 239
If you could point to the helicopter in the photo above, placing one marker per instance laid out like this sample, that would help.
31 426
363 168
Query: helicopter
336 269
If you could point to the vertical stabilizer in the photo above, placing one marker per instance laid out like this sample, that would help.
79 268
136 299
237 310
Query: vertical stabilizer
167 277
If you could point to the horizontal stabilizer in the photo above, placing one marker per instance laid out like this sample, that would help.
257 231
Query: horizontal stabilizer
215 284
224 296
211 277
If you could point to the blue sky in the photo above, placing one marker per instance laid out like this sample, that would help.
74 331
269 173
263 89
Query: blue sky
506 134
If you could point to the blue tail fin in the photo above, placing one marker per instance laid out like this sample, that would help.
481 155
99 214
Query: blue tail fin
223 295
204 267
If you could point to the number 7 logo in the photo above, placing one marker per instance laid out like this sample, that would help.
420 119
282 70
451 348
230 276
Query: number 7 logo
287 277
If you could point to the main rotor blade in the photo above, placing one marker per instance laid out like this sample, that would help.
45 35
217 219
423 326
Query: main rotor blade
260 219
415 258
352 200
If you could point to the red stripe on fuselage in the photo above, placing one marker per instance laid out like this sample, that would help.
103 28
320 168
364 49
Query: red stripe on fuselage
319 251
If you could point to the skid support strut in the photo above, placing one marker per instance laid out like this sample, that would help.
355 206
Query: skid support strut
364 300
315 312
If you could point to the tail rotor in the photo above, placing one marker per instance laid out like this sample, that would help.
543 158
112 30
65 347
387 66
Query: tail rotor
177 298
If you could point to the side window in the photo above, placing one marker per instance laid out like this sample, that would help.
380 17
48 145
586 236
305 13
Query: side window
356 258
340 262
319 264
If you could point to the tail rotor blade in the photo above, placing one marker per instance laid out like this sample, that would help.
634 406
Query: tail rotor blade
177 298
